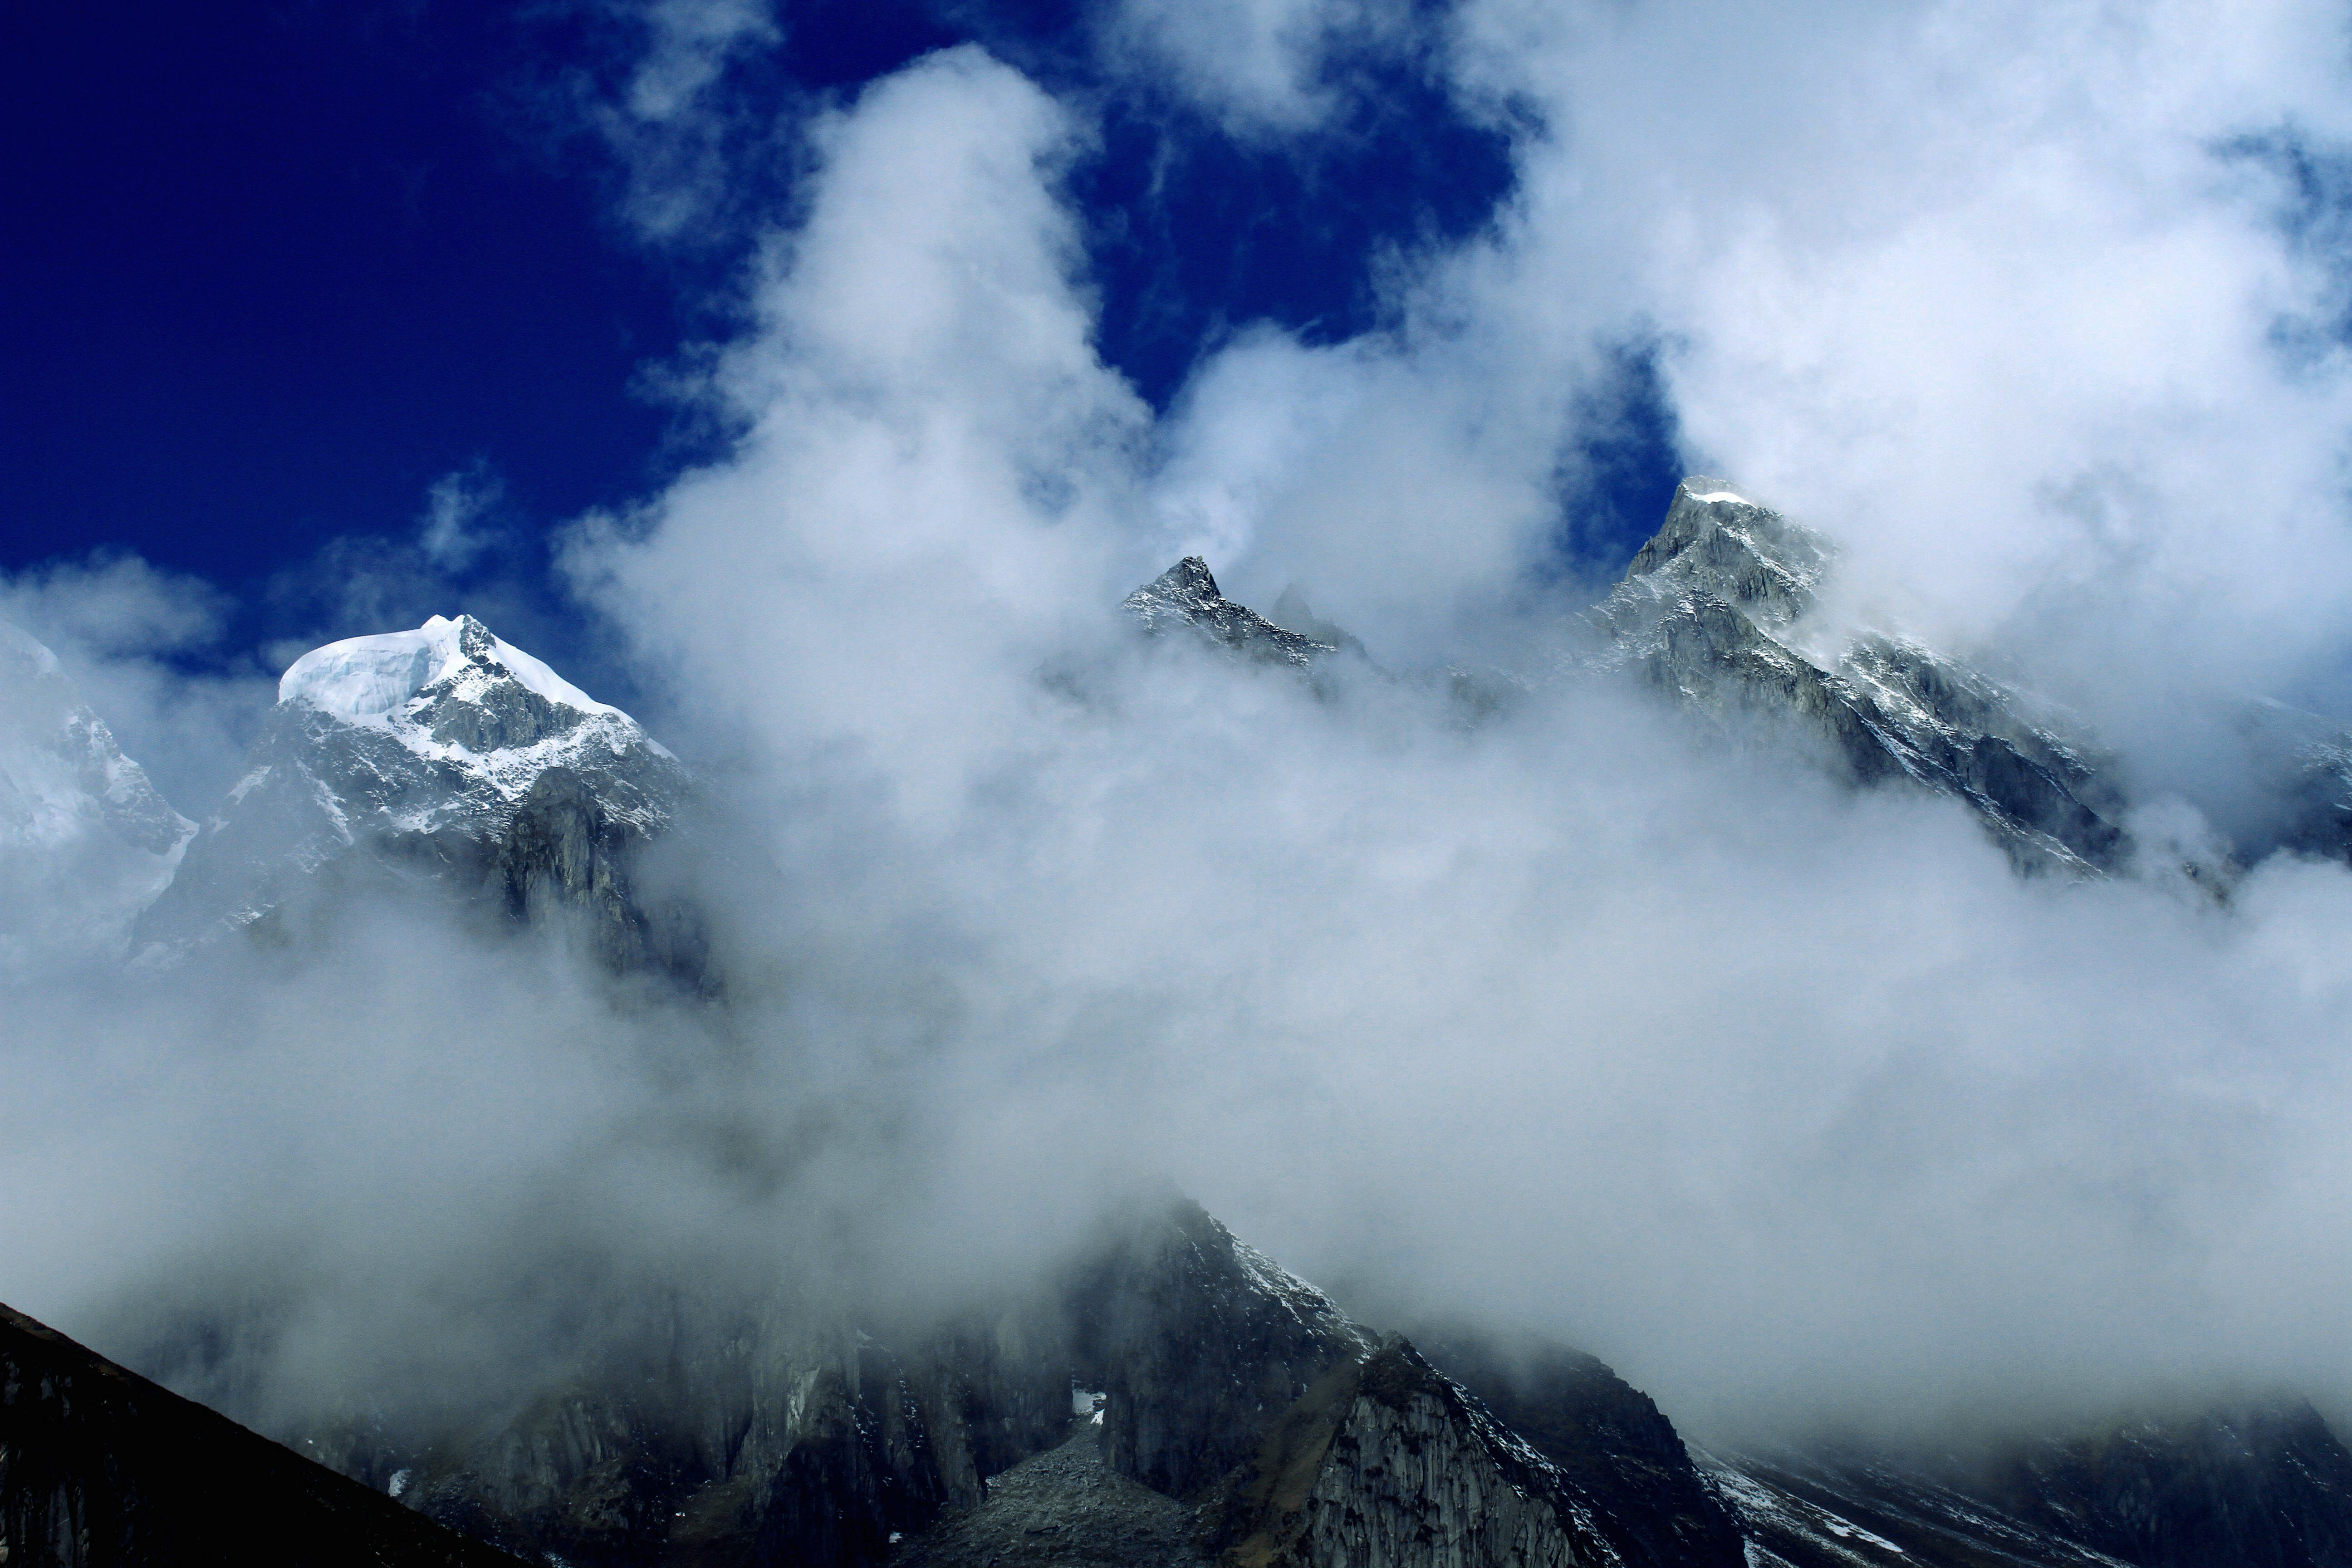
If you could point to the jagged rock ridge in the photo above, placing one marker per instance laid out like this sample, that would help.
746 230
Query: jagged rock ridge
441 755
86 841
1707 611
1185 597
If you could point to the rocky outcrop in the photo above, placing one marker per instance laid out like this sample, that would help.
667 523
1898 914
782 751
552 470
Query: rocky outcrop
1619 1458
101 1468
1709 613
573 851
1227 1411
1185 598
1198 1343
1063 1509
785 1438
1387 1464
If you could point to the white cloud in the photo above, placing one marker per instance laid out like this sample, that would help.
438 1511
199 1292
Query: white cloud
931 441
1777 1094
690 45
1264 66
453 533
143 645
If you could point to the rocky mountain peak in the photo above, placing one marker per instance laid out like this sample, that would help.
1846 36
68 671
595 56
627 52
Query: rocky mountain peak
1186 596
1704 614
1717 541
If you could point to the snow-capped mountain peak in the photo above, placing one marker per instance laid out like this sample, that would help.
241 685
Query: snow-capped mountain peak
420 747
1717 541
361 678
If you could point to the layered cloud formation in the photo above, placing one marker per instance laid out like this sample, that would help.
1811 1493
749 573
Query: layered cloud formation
1785 1099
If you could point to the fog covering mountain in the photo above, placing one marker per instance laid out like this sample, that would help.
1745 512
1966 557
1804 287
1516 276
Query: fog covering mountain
1142 1386
86 842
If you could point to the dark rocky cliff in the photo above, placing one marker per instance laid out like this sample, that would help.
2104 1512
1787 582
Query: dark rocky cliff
1619 1460
1174 1397
101 1469
572 852
1385 1463
2264 1484
1198 1342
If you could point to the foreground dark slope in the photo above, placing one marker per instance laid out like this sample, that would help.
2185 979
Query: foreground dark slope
100 1466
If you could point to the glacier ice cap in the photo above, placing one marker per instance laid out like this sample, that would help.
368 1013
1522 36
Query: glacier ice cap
361 678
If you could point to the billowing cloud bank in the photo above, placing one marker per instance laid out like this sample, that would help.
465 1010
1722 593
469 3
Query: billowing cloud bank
1776 1096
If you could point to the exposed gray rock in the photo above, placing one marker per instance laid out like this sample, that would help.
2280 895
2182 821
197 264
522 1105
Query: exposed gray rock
1198 1342
1619 1458
785 1436
1387 1464
1185 598
572 850
1064 1508
1708 613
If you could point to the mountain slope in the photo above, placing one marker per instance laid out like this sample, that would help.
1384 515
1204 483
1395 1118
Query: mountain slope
408 757
2264 1484
100 1466
86 842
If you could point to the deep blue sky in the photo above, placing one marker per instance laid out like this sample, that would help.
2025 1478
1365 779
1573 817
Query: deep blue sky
271 269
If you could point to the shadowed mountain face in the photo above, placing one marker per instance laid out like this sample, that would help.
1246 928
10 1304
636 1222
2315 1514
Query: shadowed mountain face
1242 1414
1176 1398
101 1468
